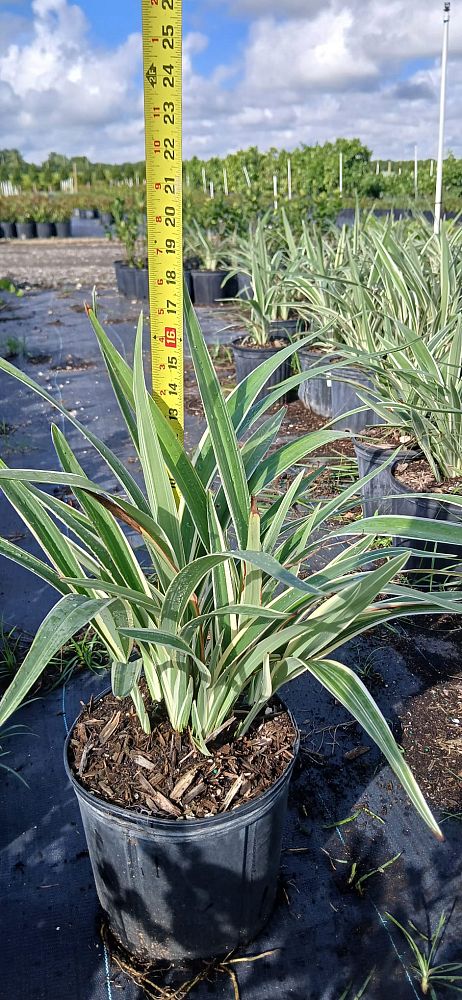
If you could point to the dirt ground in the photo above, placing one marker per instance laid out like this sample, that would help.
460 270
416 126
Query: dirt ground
59 263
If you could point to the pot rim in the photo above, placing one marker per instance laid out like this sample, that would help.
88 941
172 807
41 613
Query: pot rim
241 816
131 267
259 347
208 270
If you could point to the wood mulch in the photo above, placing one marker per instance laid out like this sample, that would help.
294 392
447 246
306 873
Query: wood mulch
418 476
382 436
164 774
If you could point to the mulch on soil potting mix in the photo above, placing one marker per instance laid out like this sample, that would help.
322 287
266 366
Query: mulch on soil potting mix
418 476
353 847
164 774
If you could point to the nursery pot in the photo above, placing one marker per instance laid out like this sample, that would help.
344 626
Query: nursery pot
207 287
244 288
407 505
345 398
331 397
131 281
183 889
106 218
26 230
188 282
316 393
45 230
8 230
247 359
376 494
63 229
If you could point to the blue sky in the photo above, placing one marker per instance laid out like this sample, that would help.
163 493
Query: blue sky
261 72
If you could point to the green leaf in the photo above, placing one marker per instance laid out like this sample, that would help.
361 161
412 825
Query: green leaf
227 454
69 615
170 641
350 691
157 483
125 676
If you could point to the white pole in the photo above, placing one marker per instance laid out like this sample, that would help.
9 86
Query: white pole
439 164
289 180
416 173
204 180
225 180
389 168
212 191
275 192
377 167
246 175
340 173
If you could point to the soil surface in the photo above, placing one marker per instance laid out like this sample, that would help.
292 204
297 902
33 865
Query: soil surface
418 476
432 740
385 437
59 263
164 774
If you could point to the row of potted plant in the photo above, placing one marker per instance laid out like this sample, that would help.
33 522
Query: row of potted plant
34 216
206 609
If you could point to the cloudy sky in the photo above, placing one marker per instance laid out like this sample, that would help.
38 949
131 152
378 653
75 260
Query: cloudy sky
262 72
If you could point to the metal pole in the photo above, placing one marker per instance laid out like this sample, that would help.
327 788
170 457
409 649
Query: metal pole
204 180
275 192
289 180
340 173
225 180
416 173
212 190
439 164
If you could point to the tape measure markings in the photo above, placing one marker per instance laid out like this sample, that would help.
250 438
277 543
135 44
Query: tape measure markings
162 43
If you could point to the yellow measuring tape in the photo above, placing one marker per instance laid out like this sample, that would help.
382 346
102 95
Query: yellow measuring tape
162 38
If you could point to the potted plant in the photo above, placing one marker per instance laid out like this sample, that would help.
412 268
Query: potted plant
201 636
129 229
417 394
269 314
361 286
41 212
60 215
8 218
211 281
25 224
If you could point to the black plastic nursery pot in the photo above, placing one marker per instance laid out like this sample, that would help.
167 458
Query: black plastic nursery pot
376 495
344 398
247 359
26 230
184 889
45 230
407 505
8 230
131 281
315 393
106 218
331 397
207 287
63 229
188 282
244 288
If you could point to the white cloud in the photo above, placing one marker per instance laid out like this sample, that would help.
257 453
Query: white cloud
312 75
